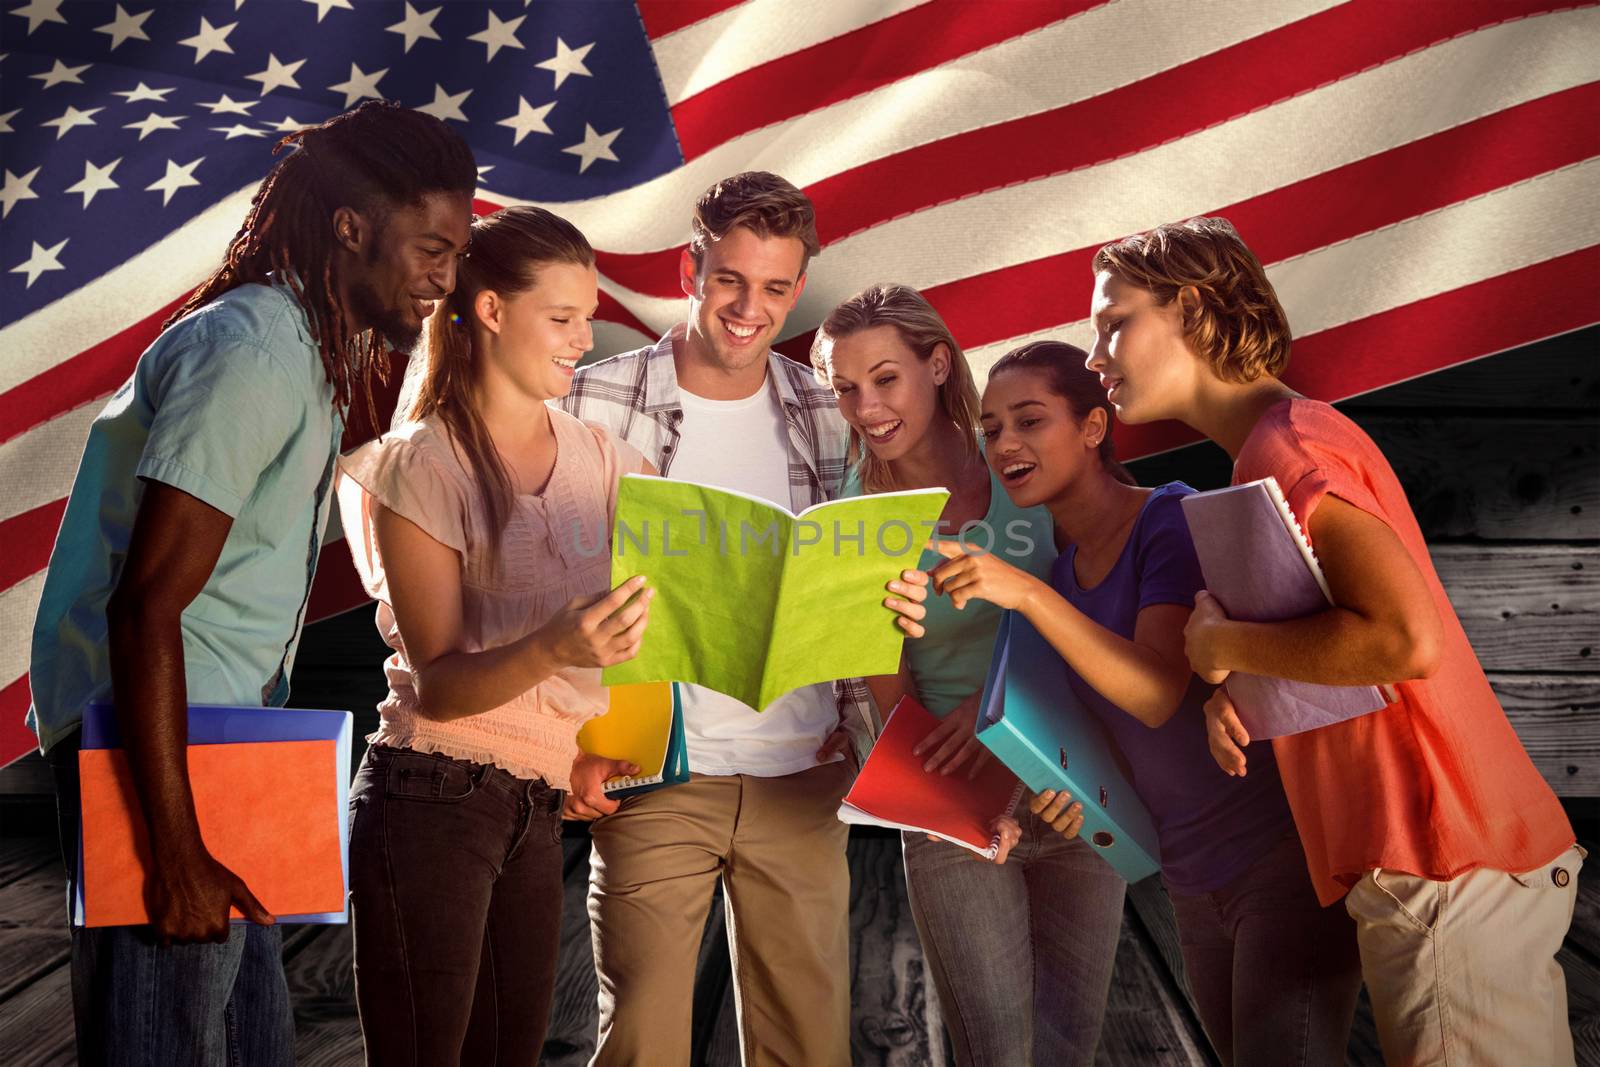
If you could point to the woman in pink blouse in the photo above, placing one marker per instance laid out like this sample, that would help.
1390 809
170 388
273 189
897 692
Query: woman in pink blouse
479 526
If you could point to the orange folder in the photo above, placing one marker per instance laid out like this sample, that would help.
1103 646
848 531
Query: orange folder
264 811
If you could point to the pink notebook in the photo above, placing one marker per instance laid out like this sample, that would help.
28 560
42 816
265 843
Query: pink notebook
1260 567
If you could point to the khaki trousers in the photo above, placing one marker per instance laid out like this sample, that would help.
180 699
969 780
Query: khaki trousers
779 848
1464 972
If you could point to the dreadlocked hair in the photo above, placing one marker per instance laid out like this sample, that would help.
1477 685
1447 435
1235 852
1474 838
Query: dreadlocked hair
373 159
505 254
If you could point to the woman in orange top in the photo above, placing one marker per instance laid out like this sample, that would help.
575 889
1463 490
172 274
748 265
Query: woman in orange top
1452 854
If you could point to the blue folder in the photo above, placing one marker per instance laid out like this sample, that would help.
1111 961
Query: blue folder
215 724
1033 721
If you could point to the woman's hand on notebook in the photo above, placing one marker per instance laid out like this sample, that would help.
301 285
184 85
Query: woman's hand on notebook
586 799
955 741
965 576
910 590
1059 811
600 630
1226 734
1200 638
1009 831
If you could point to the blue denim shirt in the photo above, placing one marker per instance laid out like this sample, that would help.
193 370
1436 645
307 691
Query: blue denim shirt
230 405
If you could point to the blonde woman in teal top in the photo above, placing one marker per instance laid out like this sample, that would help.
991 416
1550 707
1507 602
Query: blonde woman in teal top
1024 978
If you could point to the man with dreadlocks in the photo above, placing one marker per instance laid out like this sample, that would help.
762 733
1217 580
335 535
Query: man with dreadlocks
185 557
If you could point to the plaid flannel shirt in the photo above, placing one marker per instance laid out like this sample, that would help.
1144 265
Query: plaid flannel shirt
636 396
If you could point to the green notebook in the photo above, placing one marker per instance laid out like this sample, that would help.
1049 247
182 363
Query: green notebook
753 600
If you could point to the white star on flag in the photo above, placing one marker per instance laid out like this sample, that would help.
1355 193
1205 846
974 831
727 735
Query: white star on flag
17 188
209 39
153 122
126 27
143 92
498 34
5 120
72 117
176 178
277 75
95 180
360 85
324 6
567 61
238 130
594 146
528 119
41 260
60 74
415 26
446 105
228 105
38 12
287 124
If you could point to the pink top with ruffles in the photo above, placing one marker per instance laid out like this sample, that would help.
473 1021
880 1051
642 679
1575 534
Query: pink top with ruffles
555 547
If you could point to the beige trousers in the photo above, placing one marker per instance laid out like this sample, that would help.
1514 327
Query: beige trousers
1464 972
779 848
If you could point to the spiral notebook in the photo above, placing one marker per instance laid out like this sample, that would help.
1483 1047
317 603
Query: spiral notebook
644 725
1260 567
894 791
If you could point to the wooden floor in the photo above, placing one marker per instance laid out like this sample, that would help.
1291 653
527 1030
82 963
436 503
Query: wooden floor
1149 1021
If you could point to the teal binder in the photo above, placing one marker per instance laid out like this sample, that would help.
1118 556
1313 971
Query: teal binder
1034 722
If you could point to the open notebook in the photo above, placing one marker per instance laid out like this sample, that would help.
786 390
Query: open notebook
893 790
1260 567
644 725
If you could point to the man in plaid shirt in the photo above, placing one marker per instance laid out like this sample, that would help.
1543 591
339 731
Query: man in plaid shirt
712 403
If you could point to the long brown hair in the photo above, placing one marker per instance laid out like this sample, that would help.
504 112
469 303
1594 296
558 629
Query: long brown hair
1065 374
923 331
504 255
372 158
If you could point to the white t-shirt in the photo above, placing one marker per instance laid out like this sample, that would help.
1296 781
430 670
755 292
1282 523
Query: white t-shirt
744 445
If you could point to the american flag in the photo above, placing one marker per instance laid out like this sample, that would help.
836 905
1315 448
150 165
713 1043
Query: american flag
1421 177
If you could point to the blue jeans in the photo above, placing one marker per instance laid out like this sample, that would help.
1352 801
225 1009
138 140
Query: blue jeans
1274 974
1022 953
138 1003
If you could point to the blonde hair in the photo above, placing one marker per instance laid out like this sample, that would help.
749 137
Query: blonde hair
1237 326
922 331
761 202
504 255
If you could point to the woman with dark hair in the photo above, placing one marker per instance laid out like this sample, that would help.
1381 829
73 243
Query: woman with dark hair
1024 978
1275 975
473 524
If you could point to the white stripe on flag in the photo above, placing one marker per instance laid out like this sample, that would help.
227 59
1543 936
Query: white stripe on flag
731 42
18 605
37 466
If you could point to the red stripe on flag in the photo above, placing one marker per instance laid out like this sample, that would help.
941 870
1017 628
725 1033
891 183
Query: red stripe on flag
1426 336
337 587
1504 148
661 17
1281 64
94 372
15 738
854 63
28 538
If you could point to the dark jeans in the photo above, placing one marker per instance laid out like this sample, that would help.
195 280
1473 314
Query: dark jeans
1274 974
455 892
1022 953
138 1003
